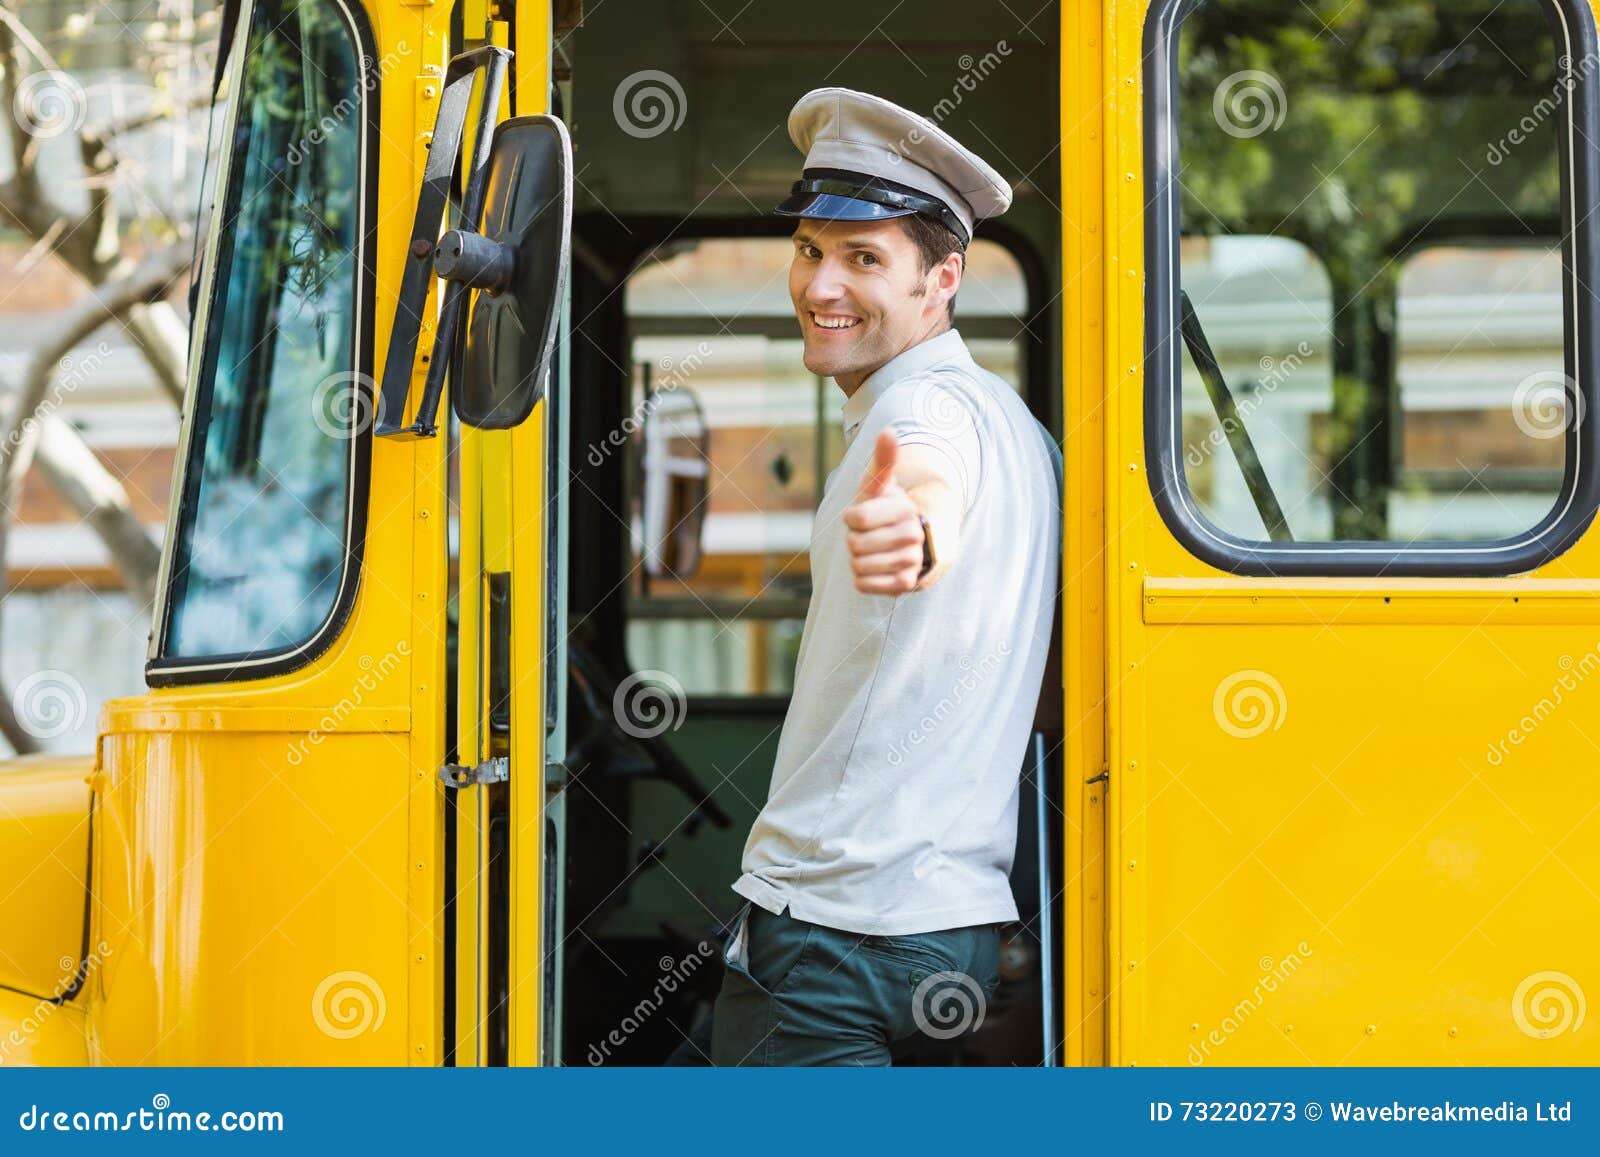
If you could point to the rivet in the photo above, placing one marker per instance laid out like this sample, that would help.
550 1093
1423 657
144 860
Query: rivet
423 513
1132 865
1371 1028
1132 964
429 91
1127 176
1134 466
421 247
420 958
1133 566
1132 763
419 868
1288 1028
1195 1027
1454 1030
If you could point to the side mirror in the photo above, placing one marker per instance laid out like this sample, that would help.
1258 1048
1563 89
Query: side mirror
675 476
519 265
510 247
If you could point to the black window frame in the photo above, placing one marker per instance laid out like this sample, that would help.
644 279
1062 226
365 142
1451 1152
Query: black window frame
162 668
1575 505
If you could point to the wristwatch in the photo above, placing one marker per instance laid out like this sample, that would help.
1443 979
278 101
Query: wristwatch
928 557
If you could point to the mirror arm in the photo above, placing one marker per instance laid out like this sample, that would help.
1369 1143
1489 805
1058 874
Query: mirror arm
443 151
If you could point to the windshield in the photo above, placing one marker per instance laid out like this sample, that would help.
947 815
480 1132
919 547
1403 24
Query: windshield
260 547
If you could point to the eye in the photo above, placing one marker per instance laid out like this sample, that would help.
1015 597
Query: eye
810 252
867 258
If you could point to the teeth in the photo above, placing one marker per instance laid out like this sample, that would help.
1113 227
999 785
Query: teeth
835 323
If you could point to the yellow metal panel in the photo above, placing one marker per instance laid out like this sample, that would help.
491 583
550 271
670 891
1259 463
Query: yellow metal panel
268 854
1350 822
1083 664
44 872
40 1032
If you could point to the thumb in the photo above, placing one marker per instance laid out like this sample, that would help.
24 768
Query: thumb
879 477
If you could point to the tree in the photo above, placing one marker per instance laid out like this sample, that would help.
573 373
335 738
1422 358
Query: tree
101 243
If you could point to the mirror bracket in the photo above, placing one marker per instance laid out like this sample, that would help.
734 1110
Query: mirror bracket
422 254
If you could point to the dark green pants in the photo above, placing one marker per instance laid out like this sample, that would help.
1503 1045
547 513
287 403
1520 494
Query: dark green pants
809 995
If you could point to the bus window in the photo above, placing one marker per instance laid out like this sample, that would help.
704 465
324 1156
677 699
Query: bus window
717 358
1351 205
259 549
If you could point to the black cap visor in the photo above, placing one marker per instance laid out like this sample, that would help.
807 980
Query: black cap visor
829 196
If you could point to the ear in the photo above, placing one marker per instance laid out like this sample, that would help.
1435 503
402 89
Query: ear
947 279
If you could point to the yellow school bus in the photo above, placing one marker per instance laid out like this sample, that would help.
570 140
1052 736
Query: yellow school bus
487 546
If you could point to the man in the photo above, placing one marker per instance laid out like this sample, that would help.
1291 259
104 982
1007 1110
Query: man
879 866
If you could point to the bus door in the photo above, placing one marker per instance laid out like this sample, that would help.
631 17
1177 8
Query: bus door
1351 571
500 267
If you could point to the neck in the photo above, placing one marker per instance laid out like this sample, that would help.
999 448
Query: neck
851 382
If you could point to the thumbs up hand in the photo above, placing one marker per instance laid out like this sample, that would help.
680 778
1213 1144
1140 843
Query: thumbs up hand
884 530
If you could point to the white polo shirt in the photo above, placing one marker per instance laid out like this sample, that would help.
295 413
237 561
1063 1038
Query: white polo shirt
893 805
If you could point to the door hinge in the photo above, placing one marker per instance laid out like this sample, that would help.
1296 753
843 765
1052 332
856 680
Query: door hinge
1104 776
496 770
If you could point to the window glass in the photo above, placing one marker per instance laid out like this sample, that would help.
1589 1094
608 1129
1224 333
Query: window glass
728 430
1375 382
1473 462
261 537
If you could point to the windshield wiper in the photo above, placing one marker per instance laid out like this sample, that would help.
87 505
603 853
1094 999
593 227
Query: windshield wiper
1244 450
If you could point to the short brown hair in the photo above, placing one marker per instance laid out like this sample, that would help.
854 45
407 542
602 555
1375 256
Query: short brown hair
934 243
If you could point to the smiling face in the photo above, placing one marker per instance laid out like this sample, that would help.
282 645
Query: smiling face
863 297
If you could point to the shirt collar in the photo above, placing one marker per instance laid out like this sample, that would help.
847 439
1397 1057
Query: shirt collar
946 347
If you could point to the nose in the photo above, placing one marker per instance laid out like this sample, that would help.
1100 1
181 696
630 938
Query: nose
827 283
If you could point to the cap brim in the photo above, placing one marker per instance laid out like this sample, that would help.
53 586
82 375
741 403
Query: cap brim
833 207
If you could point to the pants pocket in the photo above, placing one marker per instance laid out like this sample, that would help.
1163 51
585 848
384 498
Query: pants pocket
742 1019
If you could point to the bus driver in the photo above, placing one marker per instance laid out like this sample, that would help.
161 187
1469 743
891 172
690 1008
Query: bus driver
882 855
